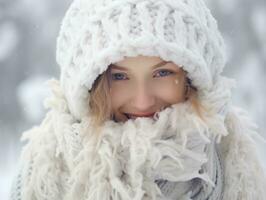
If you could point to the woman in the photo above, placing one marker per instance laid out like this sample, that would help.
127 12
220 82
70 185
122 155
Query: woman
141 110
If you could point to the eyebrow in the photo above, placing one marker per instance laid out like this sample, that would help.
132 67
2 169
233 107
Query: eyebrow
154 67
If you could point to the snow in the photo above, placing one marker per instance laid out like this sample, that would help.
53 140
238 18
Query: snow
7 175
9 38
228 6
31 94
41 8
249 91
258 19
251 96
37 22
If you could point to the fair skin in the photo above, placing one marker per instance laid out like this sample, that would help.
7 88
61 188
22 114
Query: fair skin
143 85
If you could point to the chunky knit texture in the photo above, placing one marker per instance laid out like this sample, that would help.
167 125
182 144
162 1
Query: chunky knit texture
212 159
64 159
95 33
196 188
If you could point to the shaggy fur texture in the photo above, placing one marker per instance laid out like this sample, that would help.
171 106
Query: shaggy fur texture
65 160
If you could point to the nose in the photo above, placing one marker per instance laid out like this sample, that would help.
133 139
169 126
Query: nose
143 99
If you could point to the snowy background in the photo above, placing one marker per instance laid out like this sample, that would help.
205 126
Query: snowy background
28 31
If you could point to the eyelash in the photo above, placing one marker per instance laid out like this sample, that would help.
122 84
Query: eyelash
163 70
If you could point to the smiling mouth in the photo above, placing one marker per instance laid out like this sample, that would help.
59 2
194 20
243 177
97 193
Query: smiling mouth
130 116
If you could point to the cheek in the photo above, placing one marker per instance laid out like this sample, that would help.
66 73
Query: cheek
118 95
170 92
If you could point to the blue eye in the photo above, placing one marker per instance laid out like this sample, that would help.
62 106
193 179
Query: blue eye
163 73
118 77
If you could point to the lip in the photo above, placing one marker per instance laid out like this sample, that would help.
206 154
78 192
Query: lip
140 115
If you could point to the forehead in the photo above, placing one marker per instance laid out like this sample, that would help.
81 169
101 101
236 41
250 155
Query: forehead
142 62
142 67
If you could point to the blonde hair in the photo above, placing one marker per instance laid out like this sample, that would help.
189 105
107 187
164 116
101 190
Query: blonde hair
100 105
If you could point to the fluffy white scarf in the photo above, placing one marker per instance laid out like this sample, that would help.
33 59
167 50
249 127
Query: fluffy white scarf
66 159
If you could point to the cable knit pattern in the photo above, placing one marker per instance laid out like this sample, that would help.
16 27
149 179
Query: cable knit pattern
140 159
95 33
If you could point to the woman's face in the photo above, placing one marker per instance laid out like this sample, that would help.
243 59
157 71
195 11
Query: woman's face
142 85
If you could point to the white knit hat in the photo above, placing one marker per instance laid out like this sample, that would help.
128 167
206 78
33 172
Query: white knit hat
96 33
